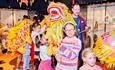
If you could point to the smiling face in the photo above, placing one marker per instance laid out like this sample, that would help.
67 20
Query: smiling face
70 30
76 10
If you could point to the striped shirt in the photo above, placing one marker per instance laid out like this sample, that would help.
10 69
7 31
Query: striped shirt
68 54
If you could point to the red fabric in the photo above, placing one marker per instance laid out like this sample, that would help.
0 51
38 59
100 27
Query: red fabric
32 52
104 66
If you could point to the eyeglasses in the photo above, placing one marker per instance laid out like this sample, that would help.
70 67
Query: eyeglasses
70 30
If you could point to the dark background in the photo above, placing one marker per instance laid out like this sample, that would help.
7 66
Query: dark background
40 6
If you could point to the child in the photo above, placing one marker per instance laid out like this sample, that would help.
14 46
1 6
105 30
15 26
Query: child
89 60
26 57
67 54
45 63
35 33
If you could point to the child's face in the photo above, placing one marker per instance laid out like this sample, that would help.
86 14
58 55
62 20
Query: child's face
90 59
37 28
69 30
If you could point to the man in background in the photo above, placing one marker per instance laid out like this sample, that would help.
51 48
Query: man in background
81 28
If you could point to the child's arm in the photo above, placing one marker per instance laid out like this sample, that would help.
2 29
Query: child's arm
74 50
57 56
33 36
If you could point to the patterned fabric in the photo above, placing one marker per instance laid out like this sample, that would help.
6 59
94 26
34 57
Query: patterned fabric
58 16
68 54
18 35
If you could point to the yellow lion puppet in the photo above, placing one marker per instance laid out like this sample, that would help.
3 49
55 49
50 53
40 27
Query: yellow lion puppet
18 35
58 16
105 49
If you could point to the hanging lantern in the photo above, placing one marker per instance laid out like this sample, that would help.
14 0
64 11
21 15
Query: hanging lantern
25 2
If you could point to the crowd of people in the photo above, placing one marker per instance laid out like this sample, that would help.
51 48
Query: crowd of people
67 52
71 54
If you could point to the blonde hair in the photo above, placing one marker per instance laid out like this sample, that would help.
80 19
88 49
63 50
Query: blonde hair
86 51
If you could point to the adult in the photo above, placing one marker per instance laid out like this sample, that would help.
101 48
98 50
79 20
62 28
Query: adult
81 27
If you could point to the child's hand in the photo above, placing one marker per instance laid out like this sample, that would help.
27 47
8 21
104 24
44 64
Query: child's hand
58 58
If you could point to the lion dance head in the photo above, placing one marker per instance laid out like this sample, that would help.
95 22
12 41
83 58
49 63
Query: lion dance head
57 11
58 16
105 49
